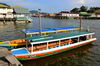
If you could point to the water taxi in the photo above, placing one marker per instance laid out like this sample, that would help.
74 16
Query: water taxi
22 42
43 46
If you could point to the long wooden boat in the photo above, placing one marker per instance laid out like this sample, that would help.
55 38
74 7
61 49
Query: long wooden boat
13 43
43 46
47 31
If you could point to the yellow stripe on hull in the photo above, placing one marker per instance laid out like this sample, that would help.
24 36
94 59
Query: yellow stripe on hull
17 42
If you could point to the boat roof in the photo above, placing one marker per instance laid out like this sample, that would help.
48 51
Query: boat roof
50 29
57 37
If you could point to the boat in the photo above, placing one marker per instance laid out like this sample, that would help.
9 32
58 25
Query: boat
46 31
43 46
13 43
22 42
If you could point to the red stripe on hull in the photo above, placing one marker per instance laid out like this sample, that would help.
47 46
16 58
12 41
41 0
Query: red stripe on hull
47 52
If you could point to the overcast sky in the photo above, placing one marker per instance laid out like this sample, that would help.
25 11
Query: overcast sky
52 6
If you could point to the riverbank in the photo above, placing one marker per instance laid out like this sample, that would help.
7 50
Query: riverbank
7 59
65 17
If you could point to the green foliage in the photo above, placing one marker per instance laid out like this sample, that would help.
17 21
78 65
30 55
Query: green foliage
85 9
93 9
75 10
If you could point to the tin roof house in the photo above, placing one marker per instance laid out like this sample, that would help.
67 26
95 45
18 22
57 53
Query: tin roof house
69 15
21 13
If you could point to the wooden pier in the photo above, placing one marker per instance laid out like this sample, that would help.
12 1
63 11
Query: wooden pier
7 59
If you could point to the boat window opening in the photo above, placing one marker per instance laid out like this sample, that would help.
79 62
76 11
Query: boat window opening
74 40
63 42
83 38
38 47
53 44
27 35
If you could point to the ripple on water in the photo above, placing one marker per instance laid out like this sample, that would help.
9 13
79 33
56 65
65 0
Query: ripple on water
87 57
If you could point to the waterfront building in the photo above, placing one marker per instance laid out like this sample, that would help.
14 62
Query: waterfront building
20 11
5 11
90 15
66 14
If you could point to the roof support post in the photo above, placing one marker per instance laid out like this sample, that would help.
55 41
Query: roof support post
32 49
69 40
78 39
47 45
59 42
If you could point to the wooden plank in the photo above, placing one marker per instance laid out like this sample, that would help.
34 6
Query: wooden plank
3 62
3 49
3 54
13 60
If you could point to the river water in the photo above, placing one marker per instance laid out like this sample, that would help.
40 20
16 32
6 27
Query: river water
88 55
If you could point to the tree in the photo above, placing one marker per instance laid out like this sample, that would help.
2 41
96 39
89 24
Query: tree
75 10
91 10
97 11
83 9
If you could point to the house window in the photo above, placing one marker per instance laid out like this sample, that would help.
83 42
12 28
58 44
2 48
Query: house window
2 8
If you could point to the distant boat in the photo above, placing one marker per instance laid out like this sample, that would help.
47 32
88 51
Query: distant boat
46 31
43 46
22 42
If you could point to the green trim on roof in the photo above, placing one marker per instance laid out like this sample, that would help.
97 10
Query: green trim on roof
1 5
83 13
17 7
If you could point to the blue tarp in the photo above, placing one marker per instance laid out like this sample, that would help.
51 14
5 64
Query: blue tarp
49 29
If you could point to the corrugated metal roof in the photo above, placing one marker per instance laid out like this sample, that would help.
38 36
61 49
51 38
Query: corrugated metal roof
17 6
21 10
50 29
1 5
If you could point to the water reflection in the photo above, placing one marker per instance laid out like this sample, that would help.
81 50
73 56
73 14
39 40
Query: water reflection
75 57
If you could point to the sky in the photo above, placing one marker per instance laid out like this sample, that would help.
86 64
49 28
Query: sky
52 6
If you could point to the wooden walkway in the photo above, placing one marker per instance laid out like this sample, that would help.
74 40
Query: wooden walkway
7 59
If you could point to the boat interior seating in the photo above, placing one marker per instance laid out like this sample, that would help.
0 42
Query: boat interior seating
39 47
43 46
18 41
